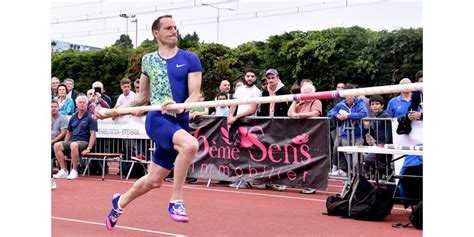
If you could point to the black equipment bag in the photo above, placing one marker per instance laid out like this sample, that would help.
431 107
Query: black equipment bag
369 202
416 217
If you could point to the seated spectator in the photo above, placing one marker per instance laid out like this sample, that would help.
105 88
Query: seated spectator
54 87
224 110
80 139
58 131
58 125
194 112
66 105
101 89
95 101
73 93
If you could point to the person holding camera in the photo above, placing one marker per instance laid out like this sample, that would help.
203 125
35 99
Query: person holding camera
95 100
99 87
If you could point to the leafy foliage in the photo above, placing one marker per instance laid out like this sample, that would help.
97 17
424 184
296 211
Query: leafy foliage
124 41
351 55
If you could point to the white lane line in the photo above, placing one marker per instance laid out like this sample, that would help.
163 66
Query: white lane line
117 226
240 192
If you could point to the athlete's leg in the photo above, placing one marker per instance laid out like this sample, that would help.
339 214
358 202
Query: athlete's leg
153 179
187 147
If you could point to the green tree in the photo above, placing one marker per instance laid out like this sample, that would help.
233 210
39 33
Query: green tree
188 41
124 41
218 64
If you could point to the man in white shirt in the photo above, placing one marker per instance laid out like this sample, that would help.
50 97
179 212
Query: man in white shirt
247 91
125 85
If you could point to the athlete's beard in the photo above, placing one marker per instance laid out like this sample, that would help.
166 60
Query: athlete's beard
250 83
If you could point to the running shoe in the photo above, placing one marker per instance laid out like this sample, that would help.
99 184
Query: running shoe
114 214
177 211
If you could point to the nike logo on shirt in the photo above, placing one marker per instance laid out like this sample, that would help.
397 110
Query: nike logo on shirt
180 65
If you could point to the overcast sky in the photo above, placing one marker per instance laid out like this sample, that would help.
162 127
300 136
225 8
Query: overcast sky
97 23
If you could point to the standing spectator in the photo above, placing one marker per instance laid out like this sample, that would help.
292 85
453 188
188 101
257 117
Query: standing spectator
95 101
136 86
224 110
301 110
308 108
275 87
243 92
379 133
306 81
99 85
295 89
66 105
247 91
73 93
415 111
335 133
366 100
348 112
125 85
54 87
80 139
263 84
398 106
224 87
238 83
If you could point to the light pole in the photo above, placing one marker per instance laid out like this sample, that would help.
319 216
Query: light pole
218 15
135 20
126 16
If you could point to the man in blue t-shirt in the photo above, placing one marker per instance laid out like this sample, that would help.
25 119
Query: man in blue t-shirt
80 138
169 75
398 106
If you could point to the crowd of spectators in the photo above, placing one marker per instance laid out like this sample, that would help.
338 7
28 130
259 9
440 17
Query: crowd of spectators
348 125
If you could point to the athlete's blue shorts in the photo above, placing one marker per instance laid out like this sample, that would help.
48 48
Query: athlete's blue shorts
161 128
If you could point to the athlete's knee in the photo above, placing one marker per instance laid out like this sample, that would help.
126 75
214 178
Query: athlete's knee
191 146
153 182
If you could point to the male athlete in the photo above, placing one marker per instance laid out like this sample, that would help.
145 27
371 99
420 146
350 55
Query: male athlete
169 75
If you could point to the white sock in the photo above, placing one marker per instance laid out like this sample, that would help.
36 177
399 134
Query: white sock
118 203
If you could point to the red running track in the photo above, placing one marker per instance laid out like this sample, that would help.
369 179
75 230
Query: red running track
79 208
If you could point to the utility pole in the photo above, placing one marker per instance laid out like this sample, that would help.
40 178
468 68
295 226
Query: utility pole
126 16
135 20
218 15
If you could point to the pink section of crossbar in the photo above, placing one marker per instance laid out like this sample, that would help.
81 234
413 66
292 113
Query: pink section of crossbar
319 95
